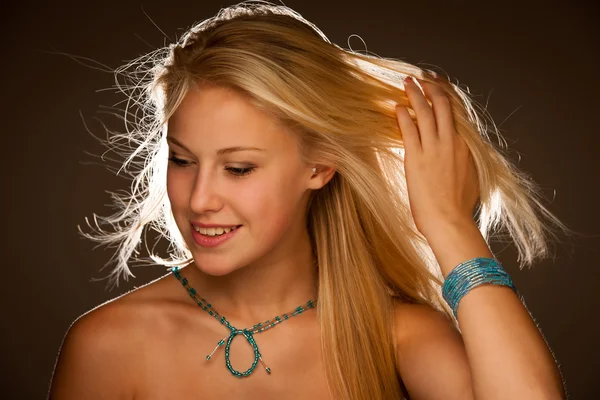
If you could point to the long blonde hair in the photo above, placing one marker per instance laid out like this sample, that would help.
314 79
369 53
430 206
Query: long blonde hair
340 104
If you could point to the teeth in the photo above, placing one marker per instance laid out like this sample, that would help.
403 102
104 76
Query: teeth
213 231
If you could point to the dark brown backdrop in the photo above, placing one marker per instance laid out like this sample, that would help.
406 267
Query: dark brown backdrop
532 63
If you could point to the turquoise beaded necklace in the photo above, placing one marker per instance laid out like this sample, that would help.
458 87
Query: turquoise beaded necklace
247 333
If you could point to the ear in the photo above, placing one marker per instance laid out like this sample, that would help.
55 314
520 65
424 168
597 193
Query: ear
320 177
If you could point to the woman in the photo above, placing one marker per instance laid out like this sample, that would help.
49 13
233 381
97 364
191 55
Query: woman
322 193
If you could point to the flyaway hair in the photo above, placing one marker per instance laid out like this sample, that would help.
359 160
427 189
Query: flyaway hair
340 105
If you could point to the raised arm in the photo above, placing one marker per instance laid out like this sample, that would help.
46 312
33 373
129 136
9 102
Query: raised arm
502 354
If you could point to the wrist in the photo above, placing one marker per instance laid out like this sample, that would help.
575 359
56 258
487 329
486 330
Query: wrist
455 241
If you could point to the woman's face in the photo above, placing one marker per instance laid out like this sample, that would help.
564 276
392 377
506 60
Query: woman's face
263 190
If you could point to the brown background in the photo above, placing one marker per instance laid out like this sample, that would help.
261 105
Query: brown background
533 63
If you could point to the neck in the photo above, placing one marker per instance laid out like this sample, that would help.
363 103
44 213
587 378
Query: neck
267 288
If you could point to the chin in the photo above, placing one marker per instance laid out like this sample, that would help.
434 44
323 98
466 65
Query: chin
213 268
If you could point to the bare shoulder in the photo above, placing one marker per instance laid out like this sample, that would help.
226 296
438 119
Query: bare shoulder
103 348
431 356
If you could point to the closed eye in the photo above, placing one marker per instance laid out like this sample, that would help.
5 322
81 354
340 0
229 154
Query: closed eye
237 172
179 162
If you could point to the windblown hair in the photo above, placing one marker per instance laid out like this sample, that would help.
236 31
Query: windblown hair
341 106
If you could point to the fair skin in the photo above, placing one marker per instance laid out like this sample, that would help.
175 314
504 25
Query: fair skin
500 354
273 244
505 352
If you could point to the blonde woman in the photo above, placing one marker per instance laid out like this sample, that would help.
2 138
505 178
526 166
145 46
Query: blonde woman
328 215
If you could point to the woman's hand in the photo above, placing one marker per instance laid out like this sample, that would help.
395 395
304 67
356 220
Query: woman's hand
440 173
443 190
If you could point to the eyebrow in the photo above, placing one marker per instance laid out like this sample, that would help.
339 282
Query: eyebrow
220 152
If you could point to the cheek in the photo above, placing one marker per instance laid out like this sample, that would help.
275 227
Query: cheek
270 205
177 190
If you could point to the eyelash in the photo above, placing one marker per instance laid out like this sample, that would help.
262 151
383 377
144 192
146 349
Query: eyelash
237 172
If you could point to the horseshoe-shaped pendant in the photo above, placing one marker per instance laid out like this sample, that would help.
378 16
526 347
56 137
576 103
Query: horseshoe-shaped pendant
250 338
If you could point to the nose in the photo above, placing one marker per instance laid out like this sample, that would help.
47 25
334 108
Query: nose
205 196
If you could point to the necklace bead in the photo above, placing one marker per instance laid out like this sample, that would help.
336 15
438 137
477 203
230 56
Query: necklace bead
247 333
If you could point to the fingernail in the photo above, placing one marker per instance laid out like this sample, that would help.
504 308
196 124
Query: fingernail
408 79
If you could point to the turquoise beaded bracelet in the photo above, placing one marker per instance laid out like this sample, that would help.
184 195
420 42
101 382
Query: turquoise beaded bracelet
470 274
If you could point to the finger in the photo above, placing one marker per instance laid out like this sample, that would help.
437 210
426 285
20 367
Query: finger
442 109
425 117
410 133
464 157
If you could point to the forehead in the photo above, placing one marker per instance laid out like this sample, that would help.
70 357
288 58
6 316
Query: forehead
218 117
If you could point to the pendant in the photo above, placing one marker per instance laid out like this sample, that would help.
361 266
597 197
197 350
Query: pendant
250 338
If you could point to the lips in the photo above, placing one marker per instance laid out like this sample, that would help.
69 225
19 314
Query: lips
213 241
201 225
